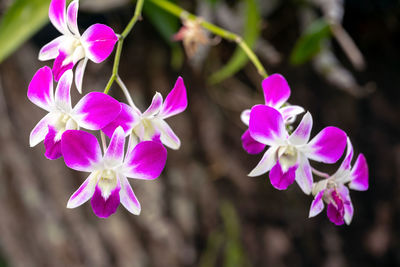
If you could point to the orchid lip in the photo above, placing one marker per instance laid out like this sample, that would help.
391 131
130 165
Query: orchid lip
107 182
288 156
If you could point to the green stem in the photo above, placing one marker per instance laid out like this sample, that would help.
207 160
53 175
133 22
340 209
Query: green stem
183 14
121 37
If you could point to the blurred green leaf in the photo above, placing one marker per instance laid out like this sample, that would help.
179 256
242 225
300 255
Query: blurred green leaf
250 36
23 19
309 44
167 25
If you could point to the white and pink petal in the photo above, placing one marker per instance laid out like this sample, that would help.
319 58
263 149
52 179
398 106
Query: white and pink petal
327 146
266 125
145 161
304 176
128 198
62 96
57 15
250 144
114 155
51 50
84 192
41 129
102 207
167 135
40 90
155 105
301 135
276 90
79 71
127 119
268 160
95 110
81 150
176 101
99 41
72 17
359 174
317 205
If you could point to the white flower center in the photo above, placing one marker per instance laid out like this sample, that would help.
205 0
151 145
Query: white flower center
145 129
64 122
287 157
107 182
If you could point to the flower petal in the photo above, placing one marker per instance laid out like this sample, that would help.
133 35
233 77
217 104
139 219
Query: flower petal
50 50
348 206
335 210
103 208
84 192
245 116
268 160
99 41
334 214
81 150
266 125
327 146
145 161
289 113
127 119
52 144
281 180
95 110
276 90
250 145
128 198
155 105
115 151
40 131
72 17
167 135
301 135
79 71
40 90
176 101
317 205
359 174
346 163
60 65
57 15
63 97
304 176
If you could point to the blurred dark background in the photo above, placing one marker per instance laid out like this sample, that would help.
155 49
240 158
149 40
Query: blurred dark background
204 210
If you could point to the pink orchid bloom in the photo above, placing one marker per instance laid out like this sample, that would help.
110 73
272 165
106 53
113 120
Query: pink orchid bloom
107 185
334 192
92 112
71 48
151 124
287 158
276 93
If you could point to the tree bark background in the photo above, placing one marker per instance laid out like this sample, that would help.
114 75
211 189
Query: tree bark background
183 219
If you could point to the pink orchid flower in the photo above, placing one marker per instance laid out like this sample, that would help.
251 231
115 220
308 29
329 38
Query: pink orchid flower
151 124
107 185
287 158
92 112
335 193
71 48
276 93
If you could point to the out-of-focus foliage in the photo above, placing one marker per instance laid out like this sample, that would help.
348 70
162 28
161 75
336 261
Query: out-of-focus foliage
309 44
250 35
20 22
226 240
167 25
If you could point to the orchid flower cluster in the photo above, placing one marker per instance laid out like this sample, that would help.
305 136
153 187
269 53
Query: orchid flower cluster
64 129
289 152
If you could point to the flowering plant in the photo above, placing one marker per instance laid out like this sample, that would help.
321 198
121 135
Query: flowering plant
289 150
